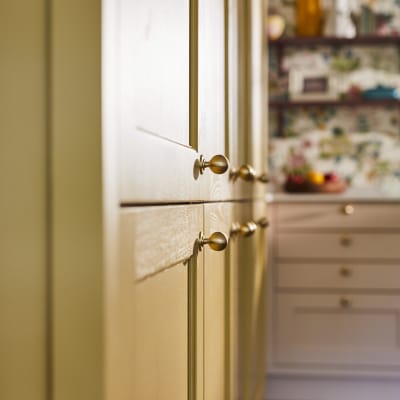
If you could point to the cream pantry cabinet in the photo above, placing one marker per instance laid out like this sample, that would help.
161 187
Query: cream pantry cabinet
111 285
193 323
175 82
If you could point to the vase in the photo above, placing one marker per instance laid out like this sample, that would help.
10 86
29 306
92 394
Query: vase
309 18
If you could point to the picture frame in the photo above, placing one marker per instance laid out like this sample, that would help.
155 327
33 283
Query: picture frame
312 85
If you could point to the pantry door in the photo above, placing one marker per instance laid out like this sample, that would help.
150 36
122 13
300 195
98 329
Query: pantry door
166 74
151 294
218 217
251 301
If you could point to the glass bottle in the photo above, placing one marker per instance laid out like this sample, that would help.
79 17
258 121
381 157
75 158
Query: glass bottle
309 18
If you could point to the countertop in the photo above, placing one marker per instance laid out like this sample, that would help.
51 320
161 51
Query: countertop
350 195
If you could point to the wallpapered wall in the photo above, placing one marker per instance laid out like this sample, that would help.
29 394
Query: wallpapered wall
362 144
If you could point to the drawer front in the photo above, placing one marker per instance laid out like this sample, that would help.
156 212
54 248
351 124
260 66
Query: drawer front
335 215
334 331
338 276
335 245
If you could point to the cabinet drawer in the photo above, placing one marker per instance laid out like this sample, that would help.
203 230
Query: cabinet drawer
339 276
336 245
329 330
335 215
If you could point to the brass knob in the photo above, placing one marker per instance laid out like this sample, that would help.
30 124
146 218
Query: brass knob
348 209
217 241
346 241
345 272
248 174
245 172
263 178
244 230
218 164
345 302
263 222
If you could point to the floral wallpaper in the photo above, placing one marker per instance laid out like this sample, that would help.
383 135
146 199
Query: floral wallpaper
361 144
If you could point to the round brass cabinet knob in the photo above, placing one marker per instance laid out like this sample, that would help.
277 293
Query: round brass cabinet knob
263 222
244 230
263 178
218 164
346 272
348 209
248 174
346 241
345 302
217 241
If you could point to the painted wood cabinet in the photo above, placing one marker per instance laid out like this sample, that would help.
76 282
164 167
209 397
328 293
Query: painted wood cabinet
107 290
189 112
334 300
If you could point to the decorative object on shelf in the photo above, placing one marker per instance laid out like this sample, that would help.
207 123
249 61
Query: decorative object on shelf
311 85
309 18
344 23
345 63
354 93
329 8
275 24
381 92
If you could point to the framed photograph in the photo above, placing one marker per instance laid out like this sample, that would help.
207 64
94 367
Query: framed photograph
312 85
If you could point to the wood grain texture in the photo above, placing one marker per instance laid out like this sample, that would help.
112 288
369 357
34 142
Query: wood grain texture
162 237
23 215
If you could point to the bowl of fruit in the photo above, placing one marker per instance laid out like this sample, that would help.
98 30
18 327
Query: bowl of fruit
314 182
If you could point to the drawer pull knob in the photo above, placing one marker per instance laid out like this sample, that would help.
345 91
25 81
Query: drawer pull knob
346 241
247 173
263 222
218 164
345 272
345 302
348 209
217 241
243 230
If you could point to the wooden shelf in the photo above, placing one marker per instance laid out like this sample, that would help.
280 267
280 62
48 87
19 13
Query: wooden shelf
280 105
335 41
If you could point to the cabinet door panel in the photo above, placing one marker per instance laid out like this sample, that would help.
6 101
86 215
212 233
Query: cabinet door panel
212 99
147 317
318 330
161 336
251 303
217 218
150 81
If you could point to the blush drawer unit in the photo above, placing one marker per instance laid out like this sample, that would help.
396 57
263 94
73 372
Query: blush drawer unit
338 276
335 292
328 330
338 215
338 245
